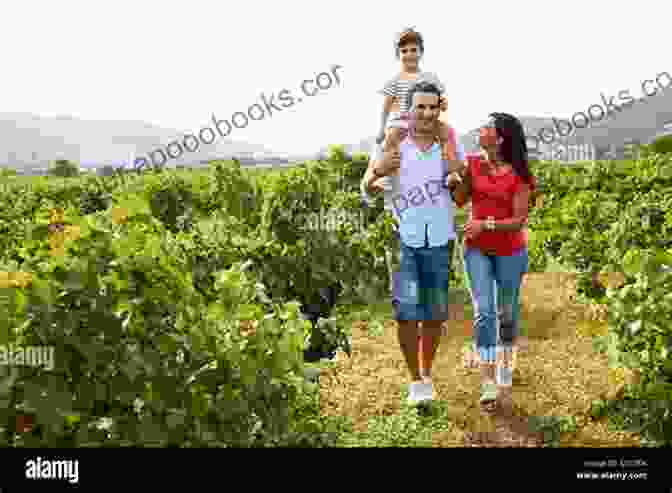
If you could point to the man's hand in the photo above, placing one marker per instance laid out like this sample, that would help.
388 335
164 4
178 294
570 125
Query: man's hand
378 186
390 163
453 179
456 166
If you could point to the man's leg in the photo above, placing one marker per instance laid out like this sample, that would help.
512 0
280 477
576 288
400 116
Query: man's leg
435 282
408 316
408 341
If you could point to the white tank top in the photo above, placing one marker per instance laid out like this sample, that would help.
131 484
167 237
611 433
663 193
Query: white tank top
421 203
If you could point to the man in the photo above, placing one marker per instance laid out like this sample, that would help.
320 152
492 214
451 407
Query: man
425 211
384 184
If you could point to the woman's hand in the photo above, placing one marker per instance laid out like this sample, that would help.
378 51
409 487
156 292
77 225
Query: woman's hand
473 228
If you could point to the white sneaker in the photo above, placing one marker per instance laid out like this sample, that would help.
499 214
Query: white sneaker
428 389
421 391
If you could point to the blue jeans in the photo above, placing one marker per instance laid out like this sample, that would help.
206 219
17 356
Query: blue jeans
421 285
495 280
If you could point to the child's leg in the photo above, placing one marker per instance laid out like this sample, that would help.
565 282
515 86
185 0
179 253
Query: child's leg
447 141
392 140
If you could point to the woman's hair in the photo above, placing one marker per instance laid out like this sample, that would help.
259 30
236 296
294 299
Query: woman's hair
513 148
406 36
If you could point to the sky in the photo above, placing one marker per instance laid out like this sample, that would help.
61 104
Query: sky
176 64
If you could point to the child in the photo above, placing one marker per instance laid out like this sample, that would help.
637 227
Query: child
410 47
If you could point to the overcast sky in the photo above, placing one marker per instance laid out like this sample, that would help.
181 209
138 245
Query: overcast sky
174 64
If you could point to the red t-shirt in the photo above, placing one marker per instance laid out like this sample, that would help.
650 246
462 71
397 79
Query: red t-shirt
493 196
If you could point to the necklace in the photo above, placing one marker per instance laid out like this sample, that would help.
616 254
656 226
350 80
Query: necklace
422 155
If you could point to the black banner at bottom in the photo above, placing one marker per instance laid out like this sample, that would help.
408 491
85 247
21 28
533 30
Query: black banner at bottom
23 470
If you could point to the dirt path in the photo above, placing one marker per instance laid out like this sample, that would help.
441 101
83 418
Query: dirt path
558 377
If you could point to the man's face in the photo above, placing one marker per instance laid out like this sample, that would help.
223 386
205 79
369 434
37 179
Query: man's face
426 111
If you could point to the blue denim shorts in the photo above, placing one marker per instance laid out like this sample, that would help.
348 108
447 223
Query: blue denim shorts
421 285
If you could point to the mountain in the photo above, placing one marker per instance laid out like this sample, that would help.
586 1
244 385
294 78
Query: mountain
31 141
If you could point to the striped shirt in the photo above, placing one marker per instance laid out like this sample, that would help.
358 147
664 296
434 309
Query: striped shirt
399 88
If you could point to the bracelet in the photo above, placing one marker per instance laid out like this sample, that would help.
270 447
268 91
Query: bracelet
490 223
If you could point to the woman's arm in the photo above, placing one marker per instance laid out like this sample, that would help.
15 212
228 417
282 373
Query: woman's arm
520 210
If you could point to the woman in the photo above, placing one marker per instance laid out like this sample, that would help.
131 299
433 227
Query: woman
495 244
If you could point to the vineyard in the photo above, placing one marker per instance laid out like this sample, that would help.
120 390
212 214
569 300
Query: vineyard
210 309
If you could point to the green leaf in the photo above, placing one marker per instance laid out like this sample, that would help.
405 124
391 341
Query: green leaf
633 263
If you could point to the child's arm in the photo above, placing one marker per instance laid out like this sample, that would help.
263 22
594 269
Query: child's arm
448 143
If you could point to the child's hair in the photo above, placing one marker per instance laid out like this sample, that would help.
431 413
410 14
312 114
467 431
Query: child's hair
409 35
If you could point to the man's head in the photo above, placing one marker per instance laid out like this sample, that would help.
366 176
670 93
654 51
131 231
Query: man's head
409 47
424 98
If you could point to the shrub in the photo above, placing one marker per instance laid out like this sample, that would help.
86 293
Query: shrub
64 168
662 145
141 357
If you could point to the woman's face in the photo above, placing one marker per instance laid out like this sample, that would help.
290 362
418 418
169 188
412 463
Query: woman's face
488 141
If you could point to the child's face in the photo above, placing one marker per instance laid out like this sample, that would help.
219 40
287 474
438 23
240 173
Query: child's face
409 54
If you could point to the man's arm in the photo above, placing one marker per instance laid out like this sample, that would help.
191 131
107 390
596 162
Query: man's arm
366 185
381 165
